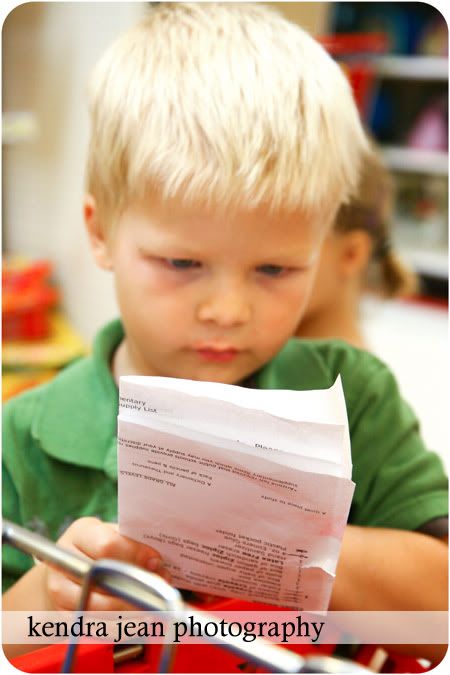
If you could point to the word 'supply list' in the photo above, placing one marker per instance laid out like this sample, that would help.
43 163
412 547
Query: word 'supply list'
245 493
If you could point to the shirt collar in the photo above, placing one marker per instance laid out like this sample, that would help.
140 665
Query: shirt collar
77 419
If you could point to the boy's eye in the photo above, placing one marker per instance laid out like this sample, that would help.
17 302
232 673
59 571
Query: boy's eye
271 270
182 263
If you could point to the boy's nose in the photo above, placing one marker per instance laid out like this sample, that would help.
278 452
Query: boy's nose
228 308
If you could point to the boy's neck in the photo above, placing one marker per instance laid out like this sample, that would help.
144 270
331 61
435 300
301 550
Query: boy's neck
123 364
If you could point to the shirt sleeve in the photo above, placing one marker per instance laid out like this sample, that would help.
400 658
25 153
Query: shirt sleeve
14 562
399 483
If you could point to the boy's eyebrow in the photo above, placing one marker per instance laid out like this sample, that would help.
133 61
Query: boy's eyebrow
168 248
300 259
287 252
308 255
166 245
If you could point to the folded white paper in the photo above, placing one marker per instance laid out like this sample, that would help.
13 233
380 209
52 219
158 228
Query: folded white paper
245 493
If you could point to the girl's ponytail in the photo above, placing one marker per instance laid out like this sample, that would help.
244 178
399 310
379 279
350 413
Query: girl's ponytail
371 210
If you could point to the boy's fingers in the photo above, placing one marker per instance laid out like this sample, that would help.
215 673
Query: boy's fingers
64 593
144 555
58 582
66 598
206 598
96 539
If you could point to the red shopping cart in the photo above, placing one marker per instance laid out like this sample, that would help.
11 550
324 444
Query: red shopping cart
149 592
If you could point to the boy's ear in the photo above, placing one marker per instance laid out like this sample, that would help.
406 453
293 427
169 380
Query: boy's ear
356 251
99 243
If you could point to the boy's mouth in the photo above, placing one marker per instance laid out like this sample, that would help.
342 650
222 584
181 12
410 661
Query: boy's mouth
217 354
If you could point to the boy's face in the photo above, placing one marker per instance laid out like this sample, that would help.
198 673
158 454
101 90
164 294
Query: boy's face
206 296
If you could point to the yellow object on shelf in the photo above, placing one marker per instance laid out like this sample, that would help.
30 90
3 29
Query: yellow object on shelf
62 346
14 382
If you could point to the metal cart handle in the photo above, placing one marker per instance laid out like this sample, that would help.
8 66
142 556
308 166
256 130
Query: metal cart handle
151 593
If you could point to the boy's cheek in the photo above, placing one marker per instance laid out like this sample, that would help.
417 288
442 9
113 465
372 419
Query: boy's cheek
286 312
152 278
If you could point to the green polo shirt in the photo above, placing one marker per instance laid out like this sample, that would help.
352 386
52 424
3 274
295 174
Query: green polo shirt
60 453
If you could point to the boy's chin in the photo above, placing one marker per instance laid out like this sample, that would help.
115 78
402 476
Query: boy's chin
224 373
215 376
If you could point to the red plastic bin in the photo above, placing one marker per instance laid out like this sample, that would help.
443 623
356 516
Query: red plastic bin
27 299
355 52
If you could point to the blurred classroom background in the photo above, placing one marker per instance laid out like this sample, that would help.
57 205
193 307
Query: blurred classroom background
55 299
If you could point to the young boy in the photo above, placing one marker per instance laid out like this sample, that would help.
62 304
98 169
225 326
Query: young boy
224 140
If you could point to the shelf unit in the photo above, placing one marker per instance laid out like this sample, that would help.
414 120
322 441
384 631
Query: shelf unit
407 80
400 158
412 67
426 260
432 262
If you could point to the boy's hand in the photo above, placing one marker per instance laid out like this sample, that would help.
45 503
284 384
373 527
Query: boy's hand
94 539
199 598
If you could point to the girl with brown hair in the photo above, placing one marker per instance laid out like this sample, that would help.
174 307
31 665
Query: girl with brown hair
357 257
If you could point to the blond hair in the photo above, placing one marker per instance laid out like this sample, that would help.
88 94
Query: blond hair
371 210
226 104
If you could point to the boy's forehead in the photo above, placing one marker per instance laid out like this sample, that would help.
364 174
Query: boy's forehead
198 226
177 214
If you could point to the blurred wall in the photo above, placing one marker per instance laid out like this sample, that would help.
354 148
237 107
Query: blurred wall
48 52
312 16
